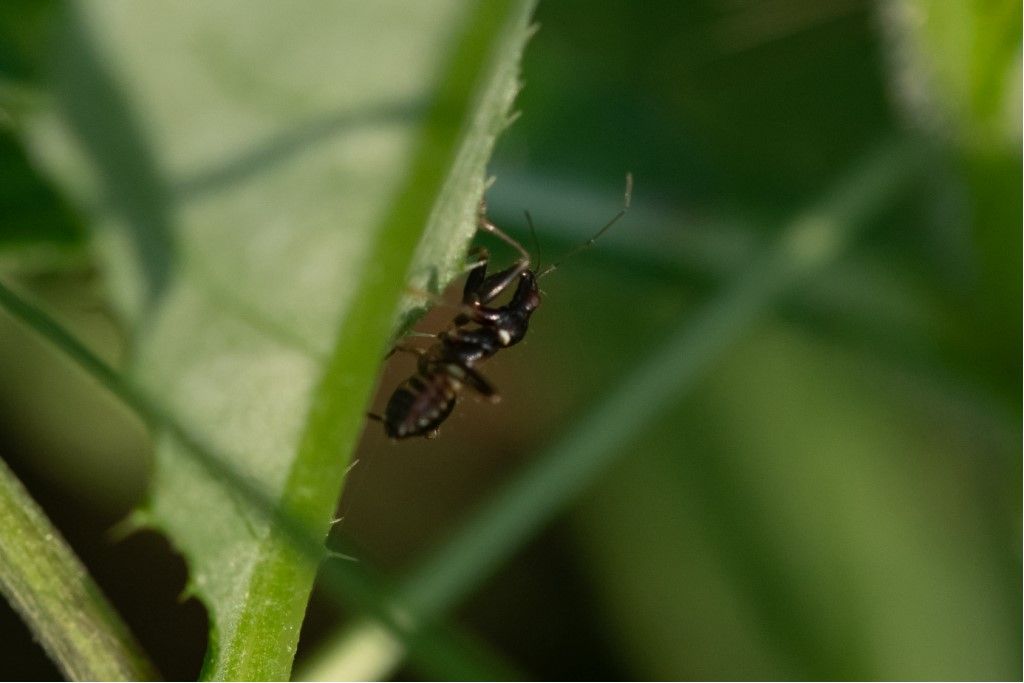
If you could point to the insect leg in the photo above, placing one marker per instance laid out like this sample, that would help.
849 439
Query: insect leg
478 256
485 224
480 384
480 289
477 276
405 349
486 289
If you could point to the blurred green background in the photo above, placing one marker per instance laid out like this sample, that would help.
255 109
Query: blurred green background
838 497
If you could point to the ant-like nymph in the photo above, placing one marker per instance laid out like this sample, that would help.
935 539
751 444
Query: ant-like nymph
421 403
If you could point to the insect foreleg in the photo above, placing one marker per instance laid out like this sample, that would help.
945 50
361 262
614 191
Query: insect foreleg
404 349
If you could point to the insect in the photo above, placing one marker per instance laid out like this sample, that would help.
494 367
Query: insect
425 400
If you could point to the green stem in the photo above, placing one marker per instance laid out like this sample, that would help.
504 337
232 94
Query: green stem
46 583
565 469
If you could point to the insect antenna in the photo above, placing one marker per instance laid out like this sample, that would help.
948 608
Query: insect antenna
533 237
627 198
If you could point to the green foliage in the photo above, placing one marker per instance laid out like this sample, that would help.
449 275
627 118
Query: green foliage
41 577
794 368
261 282
959 67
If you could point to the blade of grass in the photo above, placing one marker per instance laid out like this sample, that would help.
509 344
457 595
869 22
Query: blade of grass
47 584
565 469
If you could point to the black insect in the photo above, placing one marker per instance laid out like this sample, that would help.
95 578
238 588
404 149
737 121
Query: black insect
421 403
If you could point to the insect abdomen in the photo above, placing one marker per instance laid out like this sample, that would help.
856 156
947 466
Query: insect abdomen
419 405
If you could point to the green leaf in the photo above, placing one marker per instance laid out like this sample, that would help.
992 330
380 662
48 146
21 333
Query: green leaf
46 583
957 67
260 178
